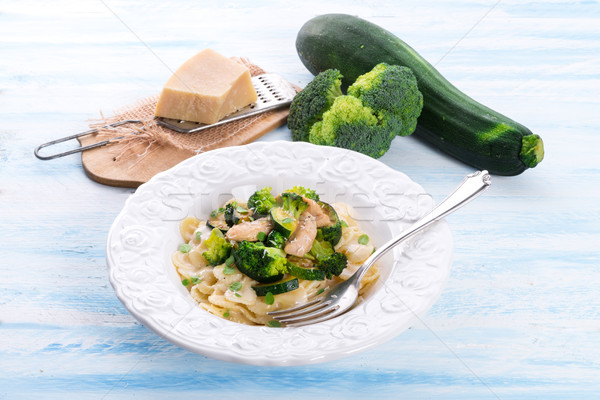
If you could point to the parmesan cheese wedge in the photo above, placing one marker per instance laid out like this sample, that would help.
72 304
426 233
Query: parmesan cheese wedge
206 88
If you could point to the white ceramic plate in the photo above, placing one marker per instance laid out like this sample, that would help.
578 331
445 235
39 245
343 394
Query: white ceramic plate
145 234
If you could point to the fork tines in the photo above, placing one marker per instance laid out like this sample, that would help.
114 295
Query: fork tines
309 313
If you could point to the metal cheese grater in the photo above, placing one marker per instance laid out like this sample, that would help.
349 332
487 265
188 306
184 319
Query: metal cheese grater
273 92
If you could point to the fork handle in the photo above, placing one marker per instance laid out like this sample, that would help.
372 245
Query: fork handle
472 186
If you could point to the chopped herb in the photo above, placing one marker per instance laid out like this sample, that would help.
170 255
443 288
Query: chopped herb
344 224
229 261
185 248
226 313
227 270
287 220
321 291
238 295
185 282
195 280
363 239
269 298
261 236
217 212
235 286
198 236
241 210
274 324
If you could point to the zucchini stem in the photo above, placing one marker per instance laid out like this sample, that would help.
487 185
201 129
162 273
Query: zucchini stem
532 151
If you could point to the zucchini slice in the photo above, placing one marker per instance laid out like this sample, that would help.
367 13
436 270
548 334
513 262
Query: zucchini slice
283 286
307 274
217 220
303 268
283 221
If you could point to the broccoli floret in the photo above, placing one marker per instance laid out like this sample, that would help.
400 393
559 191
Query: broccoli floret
275 239
320 250
391 88
332 232
326 259
302 191
293 203
261 263
380 105
351 125
309 105
217 248
333 265
262 201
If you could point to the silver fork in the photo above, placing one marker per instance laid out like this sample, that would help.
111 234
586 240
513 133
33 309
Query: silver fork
342 297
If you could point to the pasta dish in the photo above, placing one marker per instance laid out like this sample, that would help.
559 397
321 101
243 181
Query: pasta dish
268 253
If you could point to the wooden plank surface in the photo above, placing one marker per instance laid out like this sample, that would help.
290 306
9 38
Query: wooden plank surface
519 318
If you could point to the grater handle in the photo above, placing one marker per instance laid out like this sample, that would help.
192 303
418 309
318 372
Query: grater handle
80 149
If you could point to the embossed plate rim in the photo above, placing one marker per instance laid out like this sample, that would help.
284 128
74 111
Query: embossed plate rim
141 274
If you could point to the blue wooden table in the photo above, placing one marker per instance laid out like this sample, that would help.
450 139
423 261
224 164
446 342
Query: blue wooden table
520 315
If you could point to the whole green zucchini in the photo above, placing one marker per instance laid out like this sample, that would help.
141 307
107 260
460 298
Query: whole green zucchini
450 120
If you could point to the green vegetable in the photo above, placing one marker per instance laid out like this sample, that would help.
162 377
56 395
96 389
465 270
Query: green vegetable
235 286
392 89
293 203
261 263
327 260
308 273
320 249
450 121
310 104
333 265
285 216
284 286
198 236
274 324
217 220
215 213
234 214
302 191
275 239
261 236
217 248
185 248
269 298
350 125
363 239
333 232
283 222
262 201
345 121
228 270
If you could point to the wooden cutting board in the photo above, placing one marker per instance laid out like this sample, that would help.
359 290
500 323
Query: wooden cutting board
116 165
